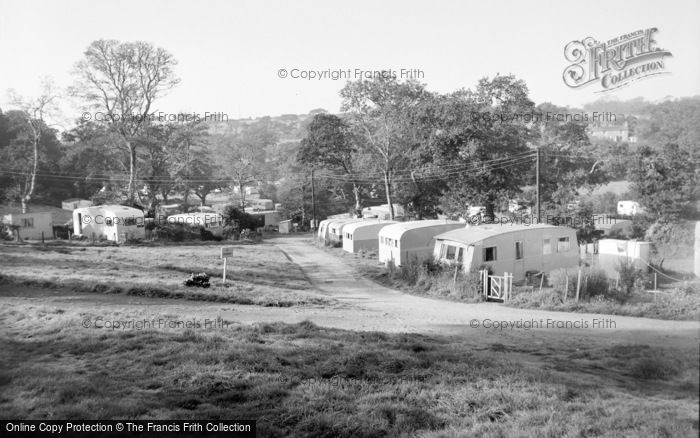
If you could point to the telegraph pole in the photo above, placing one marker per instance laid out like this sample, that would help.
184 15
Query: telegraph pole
537 183
313 201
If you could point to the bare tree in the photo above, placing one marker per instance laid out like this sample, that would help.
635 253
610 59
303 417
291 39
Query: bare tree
121 81
33 112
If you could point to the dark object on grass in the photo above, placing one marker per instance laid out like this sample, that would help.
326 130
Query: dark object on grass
198 280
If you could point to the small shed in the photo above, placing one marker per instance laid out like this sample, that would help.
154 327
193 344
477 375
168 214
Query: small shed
269 218
285 227
31 225
73 203
363 236
212 222
111 222
407 240
516 249
613 252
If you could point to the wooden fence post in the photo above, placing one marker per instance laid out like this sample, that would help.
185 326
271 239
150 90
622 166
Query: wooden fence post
578 284
541 280
454 279
566 288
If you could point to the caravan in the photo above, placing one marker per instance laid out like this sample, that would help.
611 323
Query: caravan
516 249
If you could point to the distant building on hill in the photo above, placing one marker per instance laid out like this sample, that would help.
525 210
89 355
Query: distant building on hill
616 133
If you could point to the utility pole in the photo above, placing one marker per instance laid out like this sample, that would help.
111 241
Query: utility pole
537 183
313 201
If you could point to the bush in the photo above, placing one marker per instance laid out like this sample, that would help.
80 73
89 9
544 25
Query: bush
198 280
241 220
632 279
181 232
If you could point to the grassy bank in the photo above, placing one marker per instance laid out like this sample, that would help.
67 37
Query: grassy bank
302 380
256 274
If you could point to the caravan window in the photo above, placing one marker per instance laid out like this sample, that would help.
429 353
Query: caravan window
27 222
108 221
490 254
460 254
129 221
518 250
451 250
563 244
546 247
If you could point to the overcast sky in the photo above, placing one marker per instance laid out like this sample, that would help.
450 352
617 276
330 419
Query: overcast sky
229 52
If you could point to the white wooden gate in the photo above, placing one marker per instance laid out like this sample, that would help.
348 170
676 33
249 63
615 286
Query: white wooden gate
497 287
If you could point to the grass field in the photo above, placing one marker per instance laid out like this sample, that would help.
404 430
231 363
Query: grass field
257 274
302 380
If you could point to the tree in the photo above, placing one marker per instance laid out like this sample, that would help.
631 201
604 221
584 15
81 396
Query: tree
88 161
190 140
667 182
122 80
379 112
32 114
484 143
243 154
569 162
329 145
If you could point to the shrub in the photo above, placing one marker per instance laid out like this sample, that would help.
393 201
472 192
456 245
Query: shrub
632 279
198 280
241 220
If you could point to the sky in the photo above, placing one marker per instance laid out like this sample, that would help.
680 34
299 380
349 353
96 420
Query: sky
230 53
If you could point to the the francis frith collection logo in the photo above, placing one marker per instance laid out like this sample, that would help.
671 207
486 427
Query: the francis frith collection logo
616 62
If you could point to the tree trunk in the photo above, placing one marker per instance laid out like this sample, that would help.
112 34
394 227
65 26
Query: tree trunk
358 201
241 191
489 213
387 188
132 172
30 190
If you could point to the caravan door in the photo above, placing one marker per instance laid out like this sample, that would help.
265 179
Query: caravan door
519 260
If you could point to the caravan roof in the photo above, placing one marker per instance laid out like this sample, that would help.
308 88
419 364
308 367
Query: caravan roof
396 230
472 234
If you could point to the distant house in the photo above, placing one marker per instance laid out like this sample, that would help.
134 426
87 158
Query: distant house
117 223
73 203
363 236
616 133
411 240
31 225
212 222
515 249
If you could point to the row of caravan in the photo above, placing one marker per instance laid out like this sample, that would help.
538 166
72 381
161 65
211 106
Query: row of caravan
516 249
120 223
